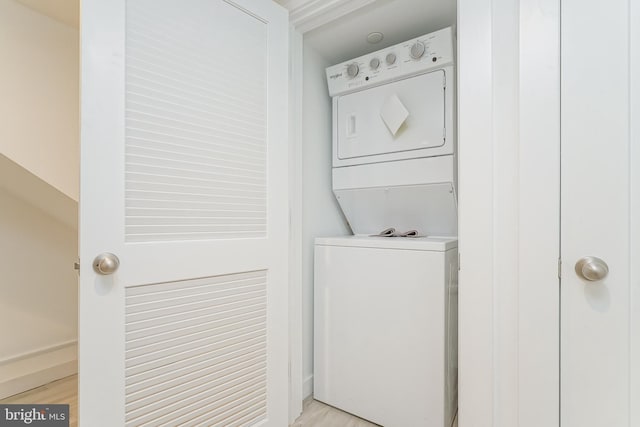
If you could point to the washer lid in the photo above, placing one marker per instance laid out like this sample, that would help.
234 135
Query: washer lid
436 244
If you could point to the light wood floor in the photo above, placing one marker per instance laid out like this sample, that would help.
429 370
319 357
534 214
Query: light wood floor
65 391
317 414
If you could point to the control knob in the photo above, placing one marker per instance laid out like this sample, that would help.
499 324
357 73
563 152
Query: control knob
417 50
353 70
374 63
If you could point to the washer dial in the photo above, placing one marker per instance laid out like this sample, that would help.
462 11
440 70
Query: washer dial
353 70
417 50
374 63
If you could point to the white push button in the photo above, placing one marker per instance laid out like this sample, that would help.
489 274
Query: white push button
391 58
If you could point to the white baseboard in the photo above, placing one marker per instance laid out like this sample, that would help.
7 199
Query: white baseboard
37 368
307 387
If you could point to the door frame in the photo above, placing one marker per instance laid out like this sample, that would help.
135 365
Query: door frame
296 378
509 212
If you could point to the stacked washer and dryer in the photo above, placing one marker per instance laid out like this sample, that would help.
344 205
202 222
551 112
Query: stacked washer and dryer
385 319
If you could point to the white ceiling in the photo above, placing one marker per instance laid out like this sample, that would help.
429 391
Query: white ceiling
307 15
398 20
65 11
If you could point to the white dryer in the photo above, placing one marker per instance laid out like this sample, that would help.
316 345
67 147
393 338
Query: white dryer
394 141
385 341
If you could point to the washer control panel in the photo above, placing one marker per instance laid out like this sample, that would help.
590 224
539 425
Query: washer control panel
431 51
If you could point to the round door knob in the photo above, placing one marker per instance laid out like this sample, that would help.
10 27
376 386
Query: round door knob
391 58
592 268
106 263
417 50
353 70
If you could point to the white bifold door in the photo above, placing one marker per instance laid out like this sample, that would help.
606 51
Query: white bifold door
184 181
600 287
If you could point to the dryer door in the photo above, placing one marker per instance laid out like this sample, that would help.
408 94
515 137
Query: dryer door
399 120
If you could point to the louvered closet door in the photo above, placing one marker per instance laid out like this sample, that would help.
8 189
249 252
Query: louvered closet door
184 179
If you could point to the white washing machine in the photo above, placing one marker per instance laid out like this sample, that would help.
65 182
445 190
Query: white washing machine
385 344
385 329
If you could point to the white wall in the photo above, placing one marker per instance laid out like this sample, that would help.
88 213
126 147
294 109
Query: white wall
321 215
39 153
39 304
39 90
38 286
509 148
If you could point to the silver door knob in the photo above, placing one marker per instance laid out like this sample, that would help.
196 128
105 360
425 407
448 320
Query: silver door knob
592 268
106 263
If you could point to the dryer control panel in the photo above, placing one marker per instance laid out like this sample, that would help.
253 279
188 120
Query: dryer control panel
415 56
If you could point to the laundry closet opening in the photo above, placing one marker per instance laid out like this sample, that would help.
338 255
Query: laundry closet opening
370 161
